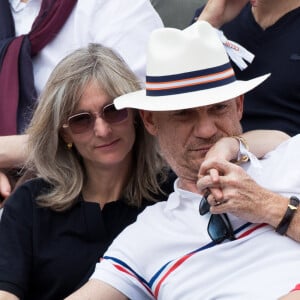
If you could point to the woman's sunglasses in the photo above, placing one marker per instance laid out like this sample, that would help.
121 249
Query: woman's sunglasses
85 121
219 227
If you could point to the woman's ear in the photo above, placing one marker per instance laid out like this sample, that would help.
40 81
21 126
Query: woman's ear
65 136
148 120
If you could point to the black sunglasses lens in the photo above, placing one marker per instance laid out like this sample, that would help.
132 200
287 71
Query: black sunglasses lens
219 228
81 122
204 205
112 115
216 228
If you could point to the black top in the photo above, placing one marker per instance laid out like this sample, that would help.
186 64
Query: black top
275 104
48 255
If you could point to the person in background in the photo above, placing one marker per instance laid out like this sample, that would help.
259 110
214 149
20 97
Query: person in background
96 167
176 13
270 30
192 100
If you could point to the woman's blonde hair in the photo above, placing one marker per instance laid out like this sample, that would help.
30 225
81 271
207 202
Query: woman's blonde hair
63 168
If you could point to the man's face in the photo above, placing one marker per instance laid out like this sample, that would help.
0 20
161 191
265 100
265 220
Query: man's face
185 136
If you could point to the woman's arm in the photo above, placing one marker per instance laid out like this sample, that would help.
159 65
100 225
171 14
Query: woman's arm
294 295
13 154
13 150
259 142
262 141
7 296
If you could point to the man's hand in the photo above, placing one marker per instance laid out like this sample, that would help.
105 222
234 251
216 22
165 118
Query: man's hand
226 149
234 191
219 12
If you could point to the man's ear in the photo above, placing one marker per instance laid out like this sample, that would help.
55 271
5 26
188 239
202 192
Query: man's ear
148 120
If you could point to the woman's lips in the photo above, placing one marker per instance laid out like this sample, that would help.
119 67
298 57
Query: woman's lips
108 145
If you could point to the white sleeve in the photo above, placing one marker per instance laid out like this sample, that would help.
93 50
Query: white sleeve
124 279
125 26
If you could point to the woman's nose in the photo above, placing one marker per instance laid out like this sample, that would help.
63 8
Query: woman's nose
101 127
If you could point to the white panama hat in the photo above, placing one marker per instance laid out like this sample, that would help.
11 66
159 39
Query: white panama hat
186 69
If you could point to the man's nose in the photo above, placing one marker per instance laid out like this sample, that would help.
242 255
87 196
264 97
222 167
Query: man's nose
205 126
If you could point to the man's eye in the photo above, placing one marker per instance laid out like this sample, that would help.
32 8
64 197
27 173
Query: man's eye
220 107
181 113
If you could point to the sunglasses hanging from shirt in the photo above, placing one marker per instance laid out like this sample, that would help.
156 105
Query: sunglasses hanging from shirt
219 227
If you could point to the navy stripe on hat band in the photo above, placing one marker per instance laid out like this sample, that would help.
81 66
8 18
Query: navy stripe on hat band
190 81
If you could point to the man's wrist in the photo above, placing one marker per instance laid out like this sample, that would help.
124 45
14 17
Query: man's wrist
288 216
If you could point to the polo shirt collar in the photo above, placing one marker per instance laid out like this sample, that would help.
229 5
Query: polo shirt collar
180 196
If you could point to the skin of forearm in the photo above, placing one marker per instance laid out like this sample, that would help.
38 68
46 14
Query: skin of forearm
262 141
13 151
7 296
295 295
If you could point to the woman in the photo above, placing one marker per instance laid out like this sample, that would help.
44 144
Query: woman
96 168
73 24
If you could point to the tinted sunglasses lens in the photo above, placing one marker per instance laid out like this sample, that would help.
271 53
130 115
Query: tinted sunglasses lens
112 115
81 122
204 205
219 228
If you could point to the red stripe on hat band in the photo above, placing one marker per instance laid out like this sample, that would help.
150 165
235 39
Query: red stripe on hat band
190 81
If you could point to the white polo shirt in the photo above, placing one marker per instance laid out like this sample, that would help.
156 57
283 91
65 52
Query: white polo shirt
123 25
167 253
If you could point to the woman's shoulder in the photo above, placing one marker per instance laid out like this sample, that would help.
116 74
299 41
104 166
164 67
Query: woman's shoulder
25 194
34 185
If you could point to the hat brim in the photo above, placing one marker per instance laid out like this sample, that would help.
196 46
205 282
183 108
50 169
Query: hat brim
140 100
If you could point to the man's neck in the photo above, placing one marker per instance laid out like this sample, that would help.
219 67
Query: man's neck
268 12
188 185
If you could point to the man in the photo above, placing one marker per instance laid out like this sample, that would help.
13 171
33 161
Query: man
178 249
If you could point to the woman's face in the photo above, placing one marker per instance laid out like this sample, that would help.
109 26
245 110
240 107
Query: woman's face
105 143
